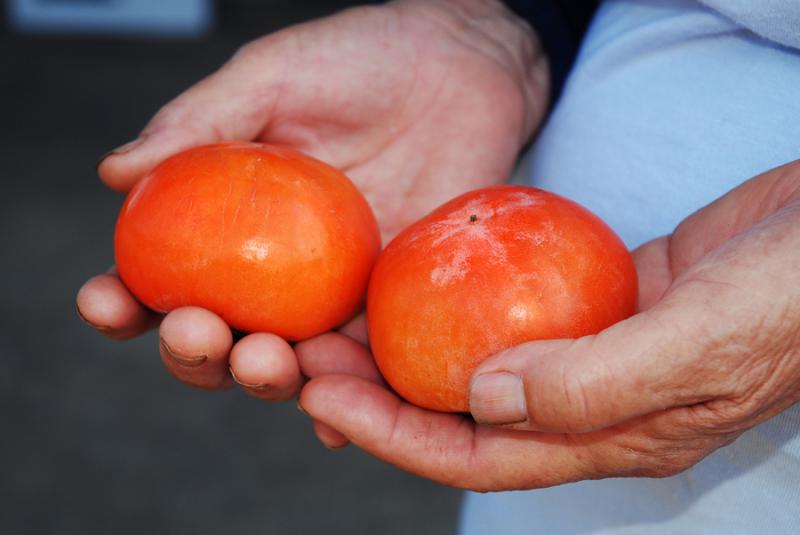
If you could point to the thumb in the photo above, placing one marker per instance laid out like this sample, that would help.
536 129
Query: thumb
233 103
636 367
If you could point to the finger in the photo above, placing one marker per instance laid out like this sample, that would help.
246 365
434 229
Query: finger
357 329
455 451
194 346
106 304
648 363
231 104
446 448
334 353
330 437
653 271
739 209
265 366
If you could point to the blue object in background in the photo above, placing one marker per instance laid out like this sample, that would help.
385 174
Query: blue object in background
170 18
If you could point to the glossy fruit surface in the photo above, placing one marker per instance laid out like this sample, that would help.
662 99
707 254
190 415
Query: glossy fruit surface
491 269
269 239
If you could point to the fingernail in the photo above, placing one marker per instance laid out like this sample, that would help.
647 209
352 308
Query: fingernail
190 362
122 149
246 385
102 328
498 398
301 409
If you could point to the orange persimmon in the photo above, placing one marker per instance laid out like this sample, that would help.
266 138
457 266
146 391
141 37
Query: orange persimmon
268 238
488 270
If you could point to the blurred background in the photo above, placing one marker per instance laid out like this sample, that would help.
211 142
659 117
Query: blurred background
97 438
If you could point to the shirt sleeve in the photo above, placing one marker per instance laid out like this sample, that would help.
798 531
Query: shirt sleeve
776 20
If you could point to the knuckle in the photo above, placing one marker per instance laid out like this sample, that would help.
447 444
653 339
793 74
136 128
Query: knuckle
265 48
170 114
583 392
183 114
746 370
574 412
245 50
646 456
721 416
667 462
250 49
662 469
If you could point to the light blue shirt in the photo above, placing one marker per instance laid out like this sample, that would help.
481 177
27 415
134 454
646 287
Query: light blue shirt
670 105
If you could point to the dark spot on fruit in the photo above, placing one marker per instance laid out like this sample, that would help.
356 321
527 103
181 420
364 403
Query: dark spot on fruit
473 218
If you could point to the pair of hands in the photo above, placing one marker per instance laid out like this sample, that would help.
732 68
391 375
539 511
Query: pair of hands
419 101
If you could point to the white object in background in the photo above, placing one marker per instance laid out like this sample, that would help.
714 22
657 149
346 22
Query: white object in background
161 17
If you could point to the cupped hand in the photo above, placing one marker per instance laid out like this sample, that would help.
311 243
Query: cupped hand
415 100
714 350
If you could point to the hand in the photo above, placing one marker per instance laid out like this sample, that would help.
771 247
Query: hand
416 100
714 351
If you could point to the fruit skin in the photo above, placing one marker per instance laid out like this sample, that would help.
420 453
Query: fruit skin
268 238
488 270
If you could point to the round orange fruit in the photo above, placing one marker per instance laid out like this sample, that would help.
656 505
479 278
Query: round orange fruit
266 237
488 270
